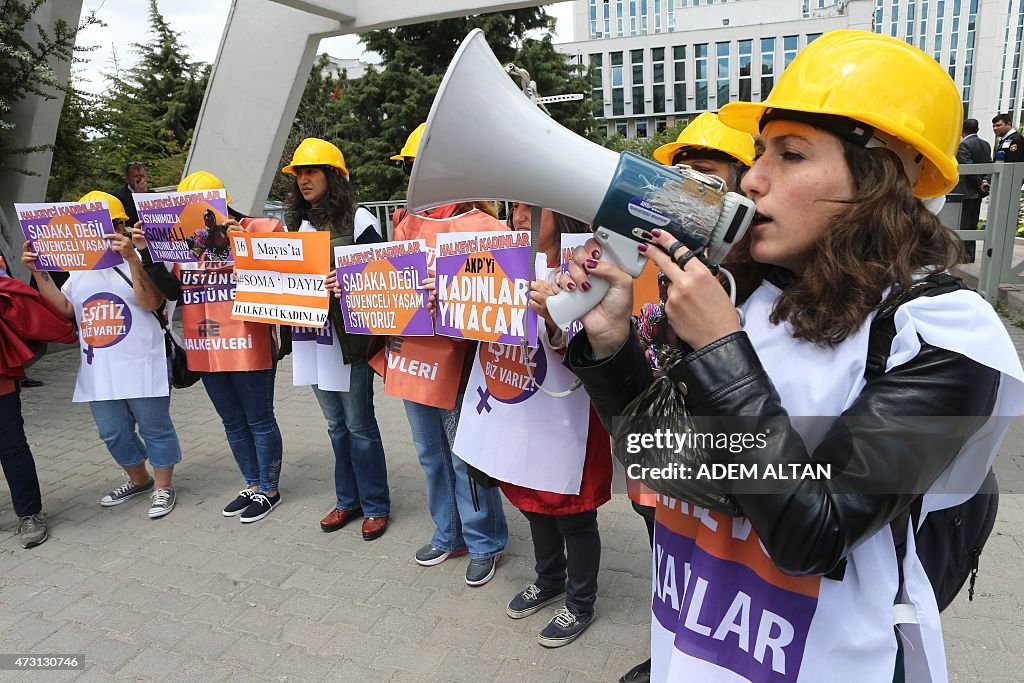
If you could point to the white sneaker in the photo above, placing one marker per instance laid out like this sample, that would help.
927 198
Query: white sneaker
163 502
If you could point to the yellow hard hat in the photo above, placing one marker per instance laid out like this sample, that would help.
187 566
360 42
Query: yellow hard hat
876 80
114 204
412 144
316 152
201 180
707 132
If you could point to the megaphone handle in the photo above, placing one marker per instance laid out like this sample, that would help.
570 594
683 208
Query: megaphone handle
567 307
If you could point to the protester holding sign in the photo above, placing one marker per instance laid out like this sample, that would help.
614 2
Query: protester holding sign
237 361
807 583
550 454
123 370
330 359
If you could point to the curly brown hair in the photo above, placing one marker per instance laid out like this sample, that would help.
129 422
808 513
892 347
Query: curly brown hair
880 238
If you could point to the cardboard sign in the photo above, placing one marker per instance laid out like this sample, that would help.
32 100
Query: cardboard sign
483 287
213 340
185 227
281 278
68 236
380 292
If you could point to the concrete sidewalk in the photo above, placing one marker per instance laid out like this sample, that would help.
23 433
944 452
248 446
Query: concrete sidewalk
197 596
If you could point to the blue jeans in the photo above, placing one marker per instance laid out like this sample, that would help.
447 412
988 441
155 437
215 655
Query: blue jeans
245 403
116 421
16 457
360 471
459 525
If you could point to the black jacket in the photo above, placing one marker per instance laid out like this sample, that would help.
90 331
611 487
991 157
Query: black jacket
972 150
127 198
1013 147
809 527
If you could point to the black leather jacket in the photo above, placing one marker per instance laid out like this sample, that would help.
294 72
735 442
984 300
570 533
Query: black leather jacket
811 525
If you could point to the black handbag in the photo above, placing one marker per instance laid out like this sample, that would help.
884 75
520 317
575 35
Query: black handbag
181 376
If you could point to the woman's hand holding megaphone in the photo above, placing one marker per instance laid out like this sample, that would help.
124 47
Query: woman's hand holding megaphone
608 323
697 306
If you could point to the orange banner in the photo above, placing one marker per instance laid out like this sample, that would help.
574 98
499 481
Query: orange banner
281 278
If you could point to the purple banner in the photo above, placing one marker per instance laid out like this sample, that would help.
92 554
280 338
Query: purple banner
69 237
483 287
383 295
185 227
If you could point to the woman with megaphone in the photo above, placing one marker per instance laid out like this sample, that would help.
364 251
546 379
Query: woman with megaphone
802 578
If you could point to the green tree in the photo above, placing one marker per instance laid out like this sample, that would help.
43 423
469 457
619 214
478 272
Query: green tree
370 117
25 67
73 171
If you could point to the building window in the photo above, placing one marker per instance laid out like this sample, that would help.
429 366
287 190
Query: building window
641 129
658 79
700 54
619 17
972 21
643 16
607 18
789 48
745 53
767 66
923 32
660 124
877 23
806 9
671 15
593 19
722 54
597 84
954 40
636 60
811 37
620 129
657 15
894 20
909 38
618 97
679 77
632 17
939 20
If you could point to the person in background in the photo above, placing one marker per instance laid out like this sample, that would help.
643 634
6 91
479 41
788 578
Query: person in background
123 372
136 181
239 381
972 150
1009 146
330 359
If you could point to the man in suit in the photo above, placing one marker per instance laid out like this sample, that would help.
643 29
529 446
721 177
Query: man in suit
1011 143
136 180
972 150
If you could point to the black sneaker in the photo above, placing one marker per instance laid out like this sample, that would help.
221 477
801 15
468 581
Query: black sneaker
260 507
238 505
480 572
125 492
530 600
564 628
429 555
641 673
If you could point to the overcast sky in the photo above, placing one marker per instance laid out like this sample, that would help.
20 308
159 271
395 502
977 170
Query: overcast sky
201 23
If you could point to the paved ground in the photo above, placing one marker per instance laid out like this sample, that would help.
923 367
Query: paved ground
201 597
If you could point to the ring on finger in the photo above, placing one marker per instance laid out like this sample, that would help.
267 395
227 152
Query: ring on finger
685 258
674 248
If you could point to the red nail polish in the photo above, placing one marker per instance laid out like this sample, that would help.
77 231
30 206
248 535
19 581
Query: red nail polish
596 253
585 286
591 263
641 248
656 232
571 287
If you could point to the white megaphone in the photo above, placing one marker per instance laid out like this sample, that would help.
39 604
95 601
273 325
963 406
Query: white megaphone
485 139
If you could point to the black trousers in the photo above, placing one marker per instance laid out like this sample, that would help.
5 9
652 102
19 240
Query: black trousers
647 512
970 214
568 552
16 458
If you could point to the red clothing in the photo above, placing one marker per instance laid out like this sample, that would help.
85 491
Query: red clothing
595 487
7 385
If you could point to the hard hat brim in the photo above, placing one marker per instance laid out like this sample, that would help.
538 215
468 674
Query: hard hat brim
290 168
664 154
938 177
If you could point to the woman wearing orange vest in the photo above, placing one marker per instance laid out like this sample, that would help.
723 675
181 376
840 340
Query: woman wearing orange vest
237 360
467 518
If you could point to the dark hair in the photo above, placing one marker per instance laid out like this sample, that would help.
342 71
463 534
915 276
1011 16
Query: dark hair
736 169
132 164
971 126
566 224
1005 118
881 237
340 202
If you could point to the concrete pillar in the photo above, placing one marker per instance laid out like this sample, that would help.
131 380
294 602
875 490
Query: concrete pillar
265 55
988 64
35 121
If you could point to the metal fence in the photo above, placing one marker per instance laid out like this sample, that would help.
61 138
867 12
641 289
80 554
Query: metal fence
995 261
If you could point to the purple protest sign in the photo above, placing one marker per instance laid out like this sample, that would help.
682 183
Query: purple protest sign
69 236
185 227
483 287
380 288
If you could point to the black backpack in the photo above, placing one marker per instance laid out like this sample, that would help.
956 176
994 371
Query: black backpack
950 541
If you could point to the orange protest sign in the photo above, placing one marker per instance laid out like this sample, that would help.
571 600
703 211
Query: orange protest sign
645 288
281 278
